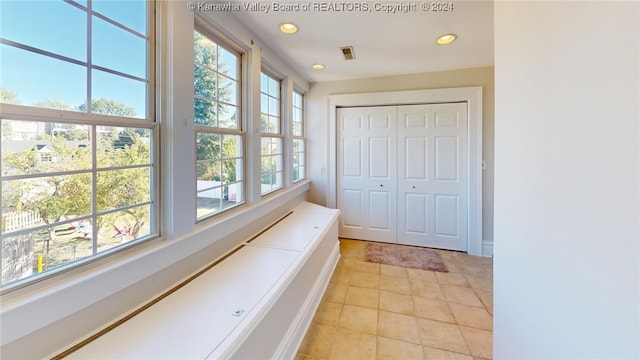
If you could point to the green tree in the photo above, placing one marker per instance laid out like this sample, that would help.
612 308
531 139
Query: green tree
122 188
108 107
52 197
53 104
206 56
8 97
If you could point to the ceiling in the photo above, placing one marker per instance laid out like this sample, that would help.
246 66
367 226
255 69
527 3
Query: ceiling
384 43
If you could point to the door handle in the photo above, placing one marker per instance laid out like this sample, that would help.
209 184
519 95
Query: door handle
381 185
413 187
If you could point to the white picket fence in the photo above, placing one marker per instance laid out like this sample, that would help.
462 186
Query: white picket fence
19 220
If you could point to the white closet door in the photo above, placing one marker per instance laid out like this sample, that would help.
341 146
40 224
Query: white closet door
367 173
432 175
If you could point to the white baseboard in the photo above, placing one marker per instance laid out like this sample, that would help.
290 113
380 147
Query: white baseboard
487 248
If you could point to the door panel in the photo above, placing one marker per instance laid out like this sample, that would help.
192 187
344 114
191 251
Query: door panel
443 130
446 211
447 158
415 210
367 166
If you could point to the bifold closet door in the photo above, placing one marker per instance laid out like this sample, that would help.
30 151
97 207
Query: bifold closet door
367 172
402 174
432 175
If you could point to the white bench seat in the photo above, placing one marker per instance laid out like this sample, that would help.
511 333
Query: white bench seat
218 313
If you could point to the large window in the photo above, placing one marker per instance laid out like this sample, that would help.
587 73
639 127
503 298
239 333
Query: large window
271 149
297 130
219 134
78 132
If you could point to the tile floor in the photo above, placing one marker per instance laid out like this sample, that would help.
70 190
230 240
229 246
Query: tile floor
377 311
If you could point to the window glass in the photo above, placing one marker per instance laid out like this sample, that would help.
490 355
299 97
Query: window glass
219 135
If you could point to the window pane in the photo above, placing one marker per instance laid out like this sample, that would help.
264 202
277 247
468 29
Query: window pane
271 164
51 199
37 80
205 112
228 64
208 174
274 107
205 51
209 202
130 13
274 88
228 117
123 187
232 146
30 147
264 83
54 26
119 146
121 227
118 96
37 251
297 100
204 82
117 49
228 90
207 146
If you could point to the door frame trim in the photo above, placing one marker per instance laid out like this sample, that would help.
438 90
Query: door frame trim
471 95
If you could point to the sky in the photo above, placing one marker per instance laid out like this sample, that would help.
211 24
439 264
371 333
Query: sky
61 28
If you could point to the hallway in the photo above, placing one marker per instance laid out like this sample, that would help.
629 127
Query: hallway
377 311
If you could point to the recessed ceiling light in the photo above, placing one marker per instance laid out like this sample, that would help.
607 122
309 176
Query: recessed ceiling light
289 28
446 39
317 67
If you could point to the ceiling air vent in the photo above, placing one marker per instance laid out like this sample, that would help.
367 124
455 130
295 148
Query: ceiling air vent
348 53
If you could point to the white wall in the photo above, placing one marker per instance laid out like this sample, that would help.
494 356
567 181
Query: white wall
567 217
318 127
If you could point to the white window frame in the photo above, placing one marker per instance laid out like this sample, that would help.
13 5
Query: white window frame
206 30
301 137
273 136
93 121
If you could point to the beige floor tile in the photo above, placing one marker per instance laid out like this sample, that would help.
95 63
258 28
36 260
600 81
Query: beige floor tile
474 269
396 285
397 303
471 316
358 318
318 340
486 296
328 313
438 354
427 289
302 357
340 275
362 297
433 309
399 327
363 266
454 267
335 293
442 335
452 279
421 275
461 295
363 279
393 271
349 345
480 341
391 349
479 281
